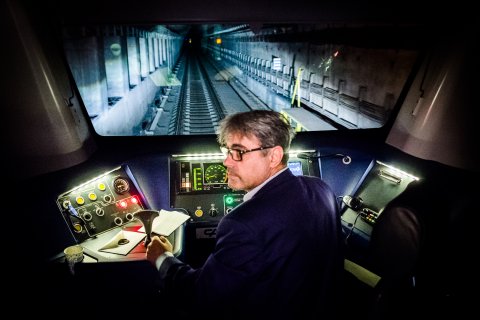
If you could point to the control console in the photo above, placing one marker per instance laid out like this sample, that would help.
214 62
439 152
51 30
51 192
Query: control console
199 184
381 184
102 203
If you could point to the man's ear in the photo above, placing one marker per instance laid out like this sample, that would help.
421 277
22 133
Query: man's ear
276 156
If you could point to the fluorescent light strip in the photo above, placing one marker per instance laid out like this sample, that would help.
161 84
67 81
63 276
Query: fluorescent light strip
396 170
221 156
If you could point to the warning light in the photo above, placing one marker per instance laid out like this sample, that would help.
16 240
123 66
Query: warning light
134 200
218 41
122 204
229 200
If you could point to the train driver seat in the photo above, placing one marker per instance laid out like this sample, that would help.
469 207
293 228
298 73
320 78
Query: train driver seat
393 254
420 247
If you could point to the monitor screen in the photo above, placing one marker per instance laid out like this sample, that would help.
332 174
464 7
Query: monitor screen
295 167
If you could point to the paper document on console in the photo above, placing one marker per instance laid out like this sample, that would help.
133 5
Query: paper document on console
167 222
123 242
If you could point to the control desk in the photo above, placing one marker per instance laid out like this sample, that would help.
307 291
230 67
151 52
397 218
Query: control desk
199 184
100 214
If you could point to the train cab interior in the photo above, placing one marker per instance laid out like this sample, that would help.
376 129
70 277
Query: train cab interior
112 109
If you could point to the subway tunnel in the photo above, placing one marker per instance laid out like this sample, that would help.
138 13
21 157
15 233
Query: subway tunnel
134 80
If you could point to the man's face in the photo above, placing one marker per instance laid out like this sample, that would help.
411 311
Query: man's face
253 169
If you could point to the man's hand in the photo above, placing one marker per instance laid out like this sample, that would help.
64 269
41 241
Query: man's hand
157 247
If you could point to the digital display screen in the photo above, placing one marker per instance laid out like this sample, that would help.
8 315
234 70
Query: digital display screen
203 176
295 167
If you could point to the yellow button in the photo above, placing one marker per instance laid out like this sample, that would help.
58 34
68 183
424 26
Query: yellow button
101 186
199 213
77 227
80 200
92 196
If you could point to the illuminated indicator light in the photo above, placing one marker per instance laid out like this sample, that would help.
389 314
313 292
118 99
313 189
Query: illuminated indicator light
80 200
229 200
190 40
336 54
199 213
188 184
92 196
102 187
197 178
134 200
218 41
123 204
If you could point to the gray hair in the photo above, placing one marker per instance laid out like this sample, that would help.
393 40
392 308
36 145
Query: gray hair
269 127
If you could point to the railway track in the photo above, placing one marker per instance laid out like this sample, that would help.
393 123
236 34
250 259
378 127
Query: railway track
199 109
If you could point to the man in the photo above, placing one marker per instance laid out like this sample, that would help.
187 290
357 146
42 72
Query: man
279 253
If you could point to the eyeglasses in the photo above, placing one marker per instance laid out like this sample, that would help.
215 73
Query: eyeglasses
237 154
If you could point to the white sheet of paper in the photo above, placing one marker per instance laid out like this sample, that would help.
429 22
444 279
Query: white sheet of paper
167 222
112 245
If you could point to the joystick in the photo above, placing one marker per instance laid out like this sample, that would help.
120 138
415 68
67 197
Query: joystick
147 217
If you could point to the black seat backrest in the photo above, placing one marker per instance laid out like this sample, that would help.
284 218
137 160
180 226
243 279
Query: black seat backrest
394 253
395 243
421 247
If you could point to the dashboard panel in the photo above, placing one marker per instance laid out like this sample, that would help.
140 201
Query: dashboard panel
102 203
199 184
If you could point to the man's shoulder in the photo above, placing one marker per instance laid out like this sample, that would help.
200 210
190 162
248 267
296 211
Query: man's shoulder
311 181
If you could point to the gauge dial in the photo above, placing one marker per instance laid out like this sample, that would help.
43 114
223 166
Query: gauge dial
121 185
215 173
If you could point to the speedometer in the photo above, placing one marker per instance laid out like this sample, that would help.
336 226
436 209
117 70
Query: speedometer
215 173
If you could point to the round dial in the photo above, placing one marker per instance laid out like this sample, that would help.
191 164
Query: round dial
121 185
215 173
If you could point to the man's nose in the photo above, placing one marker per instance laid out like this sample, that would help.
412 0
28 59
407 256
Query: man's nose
228 160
